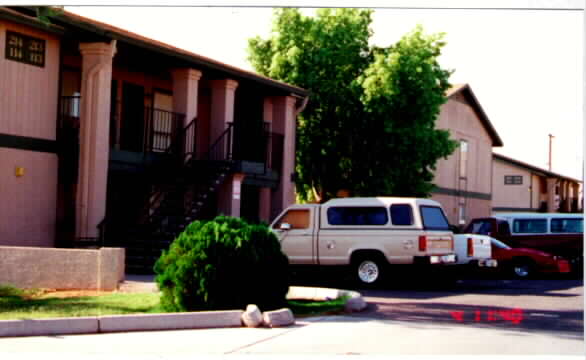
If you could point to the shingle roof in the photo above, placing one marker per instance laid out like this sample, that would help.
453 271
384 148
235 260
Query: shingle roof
68 19
530 167
465 88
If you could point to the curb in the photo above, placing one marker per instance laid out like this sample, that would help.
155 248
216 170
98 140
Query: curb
153 322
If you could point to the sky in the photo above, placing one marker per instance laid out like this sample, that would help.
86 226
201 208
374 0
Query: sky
525 66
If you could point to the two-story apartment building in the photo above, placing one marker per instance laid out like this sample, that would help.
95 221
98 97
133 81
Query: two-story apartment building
110 136
464 180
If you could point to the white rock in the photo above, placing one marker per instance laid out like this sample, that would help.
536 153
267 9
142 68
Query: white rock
355 304
252 317
278 318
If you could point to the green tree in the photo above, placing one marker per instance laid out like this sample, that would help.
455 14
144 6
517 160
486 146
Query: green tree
369 124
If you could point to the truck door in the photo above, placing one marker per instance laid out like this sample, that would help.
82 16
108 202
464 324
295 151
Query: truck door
297 241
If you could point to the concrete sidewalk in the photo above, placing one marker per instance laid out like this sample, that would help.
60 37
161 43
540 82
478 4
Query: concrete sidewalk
327 335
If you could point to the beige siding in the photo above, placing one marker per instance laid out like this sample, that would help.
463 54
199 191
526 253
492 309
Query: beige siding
513 196
463 123
28 93
28 205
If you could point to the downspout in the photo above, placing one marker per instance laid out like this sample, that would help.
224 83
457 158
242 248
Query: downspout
90 85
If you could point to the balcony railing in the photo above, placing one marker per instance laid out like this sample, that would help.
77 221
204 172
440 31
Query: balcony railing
147 129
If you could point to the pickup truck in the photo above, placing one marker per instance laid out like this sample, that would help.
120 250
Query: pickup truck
474 250
554 233
366 234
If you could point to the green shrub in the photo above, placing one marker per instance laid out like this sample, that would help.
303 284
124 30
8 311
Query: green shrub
223 264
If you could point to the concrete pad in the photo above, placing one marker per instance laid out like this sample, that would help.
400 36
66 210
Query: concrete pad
59 326
175 321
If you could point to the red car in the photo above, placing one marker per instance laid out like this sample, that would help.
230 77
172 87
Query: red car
523 263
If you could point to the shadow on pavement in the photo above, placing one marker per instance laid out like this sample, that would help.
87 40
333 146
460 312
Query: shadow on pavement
565 324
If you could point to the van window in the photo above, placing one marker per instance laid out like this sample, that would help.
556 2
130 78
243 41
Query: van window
357 216
401 214
530 226
297 218
567 225
434 218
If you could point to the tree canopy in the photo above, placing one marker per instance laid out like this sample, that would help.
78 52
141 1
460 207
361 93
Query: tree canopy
369 126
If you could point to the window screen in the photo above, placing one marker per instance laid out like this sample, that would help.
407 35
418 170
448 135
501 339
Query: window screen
401 214
357 216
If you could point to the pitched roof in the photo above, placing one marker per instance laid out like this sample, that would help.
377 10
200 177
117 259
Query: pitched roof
66 19
532 168
469 94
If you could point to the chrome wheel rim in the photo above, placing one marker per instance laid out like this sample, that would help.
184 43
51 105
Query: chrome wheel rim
521 270
368 272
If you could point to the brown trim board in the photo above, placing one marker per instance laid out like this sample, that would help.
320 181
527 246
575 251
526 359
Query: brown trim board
467 194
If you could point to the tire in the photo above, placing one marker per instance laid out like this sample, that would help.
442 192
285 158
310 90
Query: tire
369 270
522 269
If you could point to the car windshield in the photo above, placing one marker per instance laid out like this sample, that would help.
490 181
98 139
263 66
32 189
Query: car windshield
499 244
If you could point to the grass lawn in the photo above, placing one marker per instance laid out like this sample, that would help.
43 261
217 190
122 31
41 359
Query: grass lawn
16 304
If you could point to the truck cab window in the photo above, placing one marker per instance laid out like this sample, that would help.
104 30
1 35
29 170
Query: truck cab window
434 218
298 219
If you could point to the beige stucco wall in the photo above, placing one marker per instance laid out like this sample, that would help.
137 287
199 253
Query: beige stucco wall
463 123
28 203
101 269
513 196
459 117
36 116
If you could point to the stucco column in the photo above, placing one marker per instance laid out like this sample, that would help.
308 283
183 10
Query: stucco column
285 123
264 211
94 136
230 195
222 107
565 196
185 91
551 194
185 98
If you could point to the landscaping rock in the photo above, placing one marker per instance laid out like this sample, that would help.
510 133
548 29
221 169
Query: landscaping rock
355 304
279 318
252 317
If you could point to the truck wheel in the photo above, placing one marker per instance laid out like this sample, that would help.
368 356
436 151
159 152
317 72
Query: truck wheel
369 271
522 269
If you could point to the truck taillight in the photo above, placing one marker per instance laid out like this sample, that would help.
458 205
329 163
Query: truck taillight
422 243
470 247
451 243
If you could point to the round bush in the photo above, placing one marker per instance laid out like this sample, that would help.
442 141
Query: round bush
223 264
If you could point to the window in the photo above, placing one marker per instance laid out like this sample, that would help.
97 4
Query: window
513 180
298 219
357 216
434 218
481 227
463 158
567 225
401 214
530 226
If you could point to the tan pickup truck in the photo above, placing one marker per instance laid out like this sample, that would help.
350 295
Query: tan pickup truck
367 234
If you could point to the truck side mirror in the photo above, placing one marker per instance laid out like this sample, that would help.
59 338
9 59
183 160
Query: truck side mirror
285 226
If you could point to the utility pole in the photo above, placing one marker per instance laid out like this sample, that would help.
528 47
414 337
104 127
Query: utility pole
550 137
